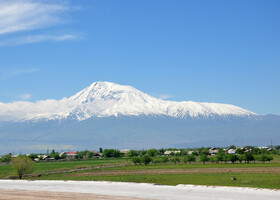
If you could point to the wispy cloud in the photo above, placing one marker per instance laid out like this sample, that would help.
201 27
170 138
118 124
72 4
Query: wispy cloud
5 74
20 15
36 38
25 96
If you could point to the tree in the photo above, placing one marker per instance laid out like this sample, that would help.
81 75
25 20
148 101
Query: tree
191 158
146 159
185 159
156 160
264 158
89 154
232 158
22 165
161 152
195 153
33 156
248 157
240 158
132 153
111 153
204 158
7 158
204 151
175 159
213 159
100 150
55 155
220 157
164 159
257 151
239 151
152 152
232 147
143 153
136 160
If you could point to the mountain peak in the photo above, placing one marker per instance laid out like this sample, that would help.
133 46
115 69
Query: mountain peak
102 99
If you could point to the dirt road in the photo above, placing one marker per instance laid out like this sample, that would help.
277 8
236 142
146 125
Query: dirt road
8 194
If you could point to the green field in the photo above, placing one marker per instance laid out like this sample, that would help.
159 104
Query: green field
270 179
224 179
43 167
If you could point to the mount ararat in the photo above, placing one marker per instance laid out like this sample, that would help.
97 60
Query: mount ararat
109 115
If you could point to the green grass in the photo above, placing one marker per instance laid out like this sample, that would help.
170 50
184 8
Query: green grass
191 166
261 180
224 179
6 170
196 165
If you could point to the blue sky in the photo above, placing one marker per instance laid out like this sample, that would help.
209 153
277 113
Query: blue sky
205 51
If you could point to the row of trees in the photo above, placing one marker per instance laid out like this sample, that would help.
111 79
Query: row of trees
247 158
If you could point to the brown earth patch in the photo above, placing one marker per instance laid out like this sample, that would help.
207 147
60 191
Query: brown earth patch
179 171
6 194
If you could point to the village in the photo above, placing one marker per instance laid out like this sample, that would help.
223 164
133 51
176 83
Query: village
212 154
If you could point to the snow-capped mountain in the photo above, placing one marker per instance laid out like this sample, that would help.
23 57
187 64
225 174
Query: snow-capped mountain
109 115
104 99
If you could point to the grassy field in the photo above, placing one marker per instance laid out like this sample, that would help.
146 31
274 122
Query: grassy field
223 179
7 170
262 175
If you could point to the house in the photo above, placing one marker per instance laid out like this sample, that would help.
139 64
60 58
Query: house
231 151
62 153
71 154
213 151
96 154
190 152
171 152
125 151
47 157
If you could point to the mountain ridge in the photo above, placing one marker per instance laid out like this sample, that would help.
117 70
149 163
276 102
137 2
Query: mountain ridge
103 99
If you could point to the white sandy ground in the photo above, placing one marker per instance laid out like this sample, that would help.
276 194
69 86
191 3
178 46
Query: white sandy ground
143 190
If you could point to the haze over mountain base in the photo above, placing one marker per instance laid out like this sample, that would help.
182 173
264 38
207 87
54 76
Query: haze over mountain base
137 133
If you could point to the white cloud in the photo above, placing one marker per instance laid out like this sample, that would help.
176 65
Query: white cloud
20 15
25 96
36 38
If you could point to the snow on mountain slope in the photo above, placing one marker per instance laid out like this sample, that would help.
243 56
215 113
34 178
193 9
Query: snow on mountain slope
102 99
